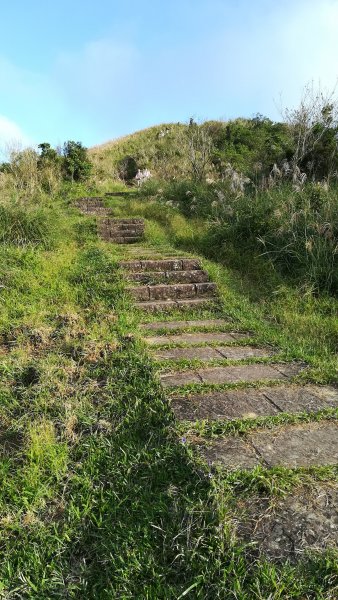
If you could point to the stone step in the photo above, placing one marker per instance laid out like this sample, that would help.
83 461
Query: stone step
251 403
125 226
115 239
231 374
199 337
146 293
207 353
91 205
174 264
125 233
172 325
95 210
171 276
291 446
134 221
153 253
174 304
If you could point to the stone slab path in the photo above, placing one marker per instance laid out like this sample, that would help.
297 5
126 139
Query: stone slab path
206 393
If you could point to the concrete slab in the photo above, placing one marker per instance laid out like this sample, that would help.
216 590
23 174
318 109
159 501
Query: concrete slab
162 292
190 338
184 324
290 369
178 379
312 444
297 399
232 453
230 404
187 276
204 353
162 265
236 374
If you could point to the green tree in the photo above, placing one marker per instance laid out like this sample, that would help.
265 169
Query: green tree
48 156
76 165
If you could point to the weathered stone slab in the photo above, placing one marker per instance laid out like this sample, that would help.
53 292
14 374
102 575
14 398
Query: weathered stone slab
293 446
184 324
204 353
91 205
290 369
126 226
162 292
236 374
327 393
191 338
157 306
126 221
123 240
284 529
177 379
243 352
230 404
232 453
162 265
296 399
187 276
160 305
252 403
207 353
309 445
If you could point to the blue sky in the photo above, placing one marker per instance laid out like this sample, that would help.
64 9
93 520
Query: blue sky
93 71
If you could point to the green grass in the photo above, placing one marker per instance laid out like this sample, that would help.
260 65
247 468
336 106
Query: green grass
99 497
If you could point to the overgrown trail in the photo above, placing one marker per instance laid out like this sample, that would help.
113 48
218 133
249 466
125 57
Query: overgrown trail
166 443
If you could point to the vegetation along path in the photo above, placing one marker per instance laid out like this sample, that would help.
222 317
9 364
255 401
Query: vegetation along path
161 436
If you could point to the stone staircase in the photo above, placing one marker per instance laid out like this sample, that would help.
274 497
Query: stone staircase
117 231
91 205
168 283
121 231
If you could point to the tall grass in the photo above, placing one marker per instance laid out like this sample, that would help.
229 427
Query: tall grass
22 224
294 229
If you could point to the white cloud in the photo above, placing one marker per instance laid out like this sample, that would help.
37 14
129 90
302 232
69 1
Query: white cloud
11 136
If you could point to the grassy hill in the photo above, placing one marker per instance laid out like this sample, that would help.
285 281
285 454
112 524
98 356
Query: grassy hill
249 144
